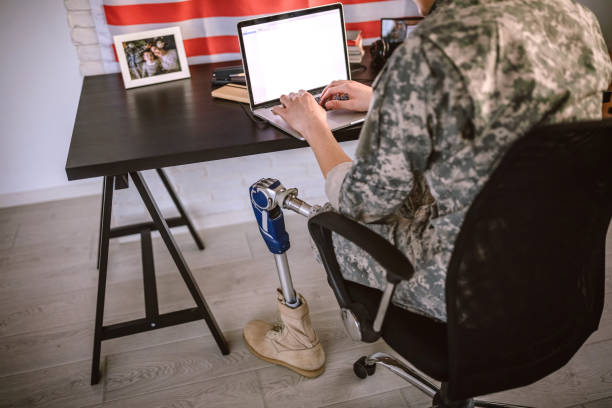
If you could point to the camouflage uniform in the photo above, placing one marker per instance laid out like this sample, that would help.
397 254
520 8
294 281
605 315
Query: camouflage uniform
471 79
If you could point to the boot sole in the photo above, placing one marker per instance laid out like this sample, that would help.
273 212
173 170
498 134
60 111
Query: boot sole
300 371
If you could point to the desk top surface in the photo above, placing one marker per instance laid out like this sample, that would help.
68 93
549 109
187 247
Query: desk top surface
169 124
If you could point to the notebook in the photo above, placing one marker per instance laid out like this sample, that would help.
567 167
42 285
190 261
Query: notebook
302 49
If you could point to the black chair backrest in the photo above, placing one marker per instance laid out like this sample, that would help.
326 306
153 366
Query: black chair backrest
525 284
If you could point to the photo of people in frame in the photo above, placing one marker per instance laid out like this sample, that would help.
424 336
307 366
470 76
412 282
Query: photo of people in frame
395 30
150 57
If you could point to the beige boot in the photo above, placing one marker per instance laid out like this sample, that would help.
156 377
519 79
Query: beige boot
293 344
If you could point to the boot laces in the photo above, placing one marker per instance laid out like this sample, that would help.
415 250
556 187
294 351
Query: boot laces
276 329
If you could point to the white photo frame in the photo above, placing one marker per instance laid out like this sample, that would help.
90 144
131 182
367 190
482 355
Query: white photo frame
145 61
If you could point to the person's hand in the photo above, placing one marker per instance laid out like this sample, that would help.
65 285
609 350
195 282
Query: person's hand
359 96
302 112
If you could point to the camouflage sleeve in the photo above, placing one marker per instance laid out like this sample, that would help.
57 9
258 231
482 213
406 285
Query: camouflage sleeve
397 138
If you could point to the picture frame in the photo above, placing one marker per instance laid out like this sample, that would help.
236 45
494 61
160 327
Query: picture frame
150 57
395 29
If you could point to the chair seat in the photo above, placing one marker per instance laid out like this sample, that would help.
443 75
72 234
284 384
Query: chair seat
421 341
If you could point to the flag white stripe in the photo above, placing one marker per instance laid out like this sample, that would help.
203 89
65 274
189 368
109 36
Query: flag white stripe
207 59
132 2
222 26
354 13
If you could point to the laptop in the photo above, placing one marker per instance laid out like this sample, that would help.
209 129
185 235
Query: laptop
302 49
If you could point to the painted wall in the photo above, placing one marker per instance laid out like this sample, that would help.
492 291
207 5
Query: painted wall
40 85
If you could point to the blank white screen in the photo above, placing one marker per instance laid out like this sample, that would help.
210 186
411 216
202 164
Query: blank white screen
304 52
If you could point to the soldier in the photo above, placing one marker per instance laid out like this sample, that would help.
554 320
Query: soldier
472 78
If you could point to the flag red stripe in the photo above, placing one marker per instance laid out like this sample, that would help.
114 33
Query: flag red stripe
211 45
172 12
369 29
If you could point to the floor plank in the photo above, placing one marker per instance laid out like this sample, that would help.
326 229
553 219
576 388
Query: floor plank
8 232
66 344
236 391
391 399
174 364
198 359
587 377
282 388
415 398
602 403
61 386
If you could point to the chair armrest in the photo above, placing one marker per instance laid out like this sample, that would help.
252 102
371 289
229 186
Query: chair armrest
395 263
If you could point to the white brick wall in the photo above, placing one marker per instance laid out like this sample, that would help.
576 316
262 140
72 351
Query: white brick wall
214 193
84 36
80 19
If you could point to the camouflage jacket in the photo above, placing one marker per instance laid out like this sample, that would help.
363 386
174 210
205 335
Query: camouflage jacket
472 78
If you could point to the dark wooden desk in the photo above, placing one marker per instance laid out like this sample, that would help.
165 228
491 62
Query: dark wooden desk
120 132
117 131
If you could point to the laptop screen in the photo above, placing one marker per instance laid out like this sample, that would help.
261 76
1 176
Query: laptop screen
292 51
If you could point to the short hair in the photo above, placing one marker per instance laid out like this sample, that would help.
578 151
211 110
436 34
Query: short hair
142 53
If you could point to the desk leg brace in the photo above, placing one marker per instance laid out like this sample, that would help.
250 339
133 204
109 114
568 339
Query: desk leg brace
183 219
153 319
164 231
179 207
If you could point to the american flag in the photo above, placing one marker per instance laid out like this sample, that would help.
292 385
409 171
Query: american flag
209 26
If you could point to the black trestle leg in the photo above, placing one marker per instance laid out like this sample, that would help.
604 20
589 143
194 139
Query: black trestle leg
164 231
179 207
107 203
148 278
101 218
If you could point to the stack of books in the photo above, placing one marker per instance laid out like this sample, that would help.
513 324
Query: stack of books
354 42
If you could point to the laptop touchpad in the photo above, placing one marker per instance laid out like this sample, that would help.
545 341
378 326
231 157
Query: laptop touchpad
341 118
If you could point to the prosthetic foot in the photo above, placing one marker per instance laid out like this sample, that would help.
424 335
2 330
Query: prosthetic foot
293 343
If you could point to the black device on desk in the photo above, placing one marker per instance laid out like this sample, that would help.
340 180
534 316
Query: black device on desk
393 32
229 75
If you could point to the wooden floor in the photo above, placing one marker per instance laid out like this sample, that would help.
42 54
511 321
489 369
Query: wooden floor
47 302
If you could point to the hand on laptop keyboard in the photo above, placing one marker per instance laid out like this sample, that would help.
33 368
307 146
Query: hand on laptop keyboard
337 97
348 95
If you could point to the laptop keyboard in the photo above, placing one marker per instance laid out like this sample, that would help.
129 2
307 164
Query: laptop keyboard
342 97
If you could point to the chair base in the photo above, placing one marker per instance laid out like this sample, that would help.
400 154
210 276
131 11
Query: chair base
366 366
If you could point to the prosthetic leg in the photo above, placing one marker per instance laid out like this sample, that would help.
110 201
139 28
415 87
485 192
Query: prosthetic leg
293 343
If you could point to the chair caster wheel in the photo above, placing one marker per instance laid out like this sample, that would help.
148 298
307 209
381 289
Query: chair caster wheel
361 369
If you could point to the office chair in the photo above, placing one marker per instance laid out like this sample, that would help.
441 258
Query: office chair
525 283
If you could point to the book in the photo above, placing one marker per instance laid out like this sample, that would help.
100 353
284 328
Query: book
232 92
354 43
355 58
353 38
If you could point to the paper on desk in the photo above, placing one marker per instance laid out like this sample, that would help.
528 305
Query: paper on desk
232 92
